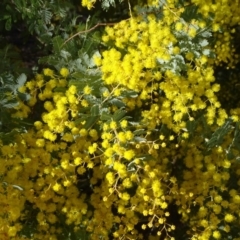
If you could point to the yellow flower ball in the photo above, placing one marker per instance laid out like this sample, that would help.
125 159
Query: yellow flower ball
64 72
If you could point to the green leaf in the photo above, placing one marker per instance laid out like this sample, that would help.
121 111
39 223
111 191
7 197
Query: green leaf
95 110
79 84
24 96
65 54
130 94
81 233
46 16
14 186
116 102
88 61
205 34
217 137
204 43
119 114
57 44
177 64
164 130
90 122
190 12
17 187
81 79
49 60
60 89
106 117
206 52
21 80
8 24
139 139
139 132
9 103
145 157
191 126
236 138
107 3
131 167
196 54
8 137
135 124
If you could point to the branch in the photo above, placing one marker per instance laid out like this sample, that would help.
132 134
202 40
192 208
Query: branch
86 31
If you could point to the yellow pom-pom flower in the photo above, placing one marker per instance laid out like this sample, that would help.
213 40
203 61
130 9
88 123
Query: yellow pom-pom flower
64 72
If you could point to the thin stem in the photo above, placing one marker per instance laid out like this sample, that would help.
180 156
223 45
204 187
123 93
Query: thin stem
88 30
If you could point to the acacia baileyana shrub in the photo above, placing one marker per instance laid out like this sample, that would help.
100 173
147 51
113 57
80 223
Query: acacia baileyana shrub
131 142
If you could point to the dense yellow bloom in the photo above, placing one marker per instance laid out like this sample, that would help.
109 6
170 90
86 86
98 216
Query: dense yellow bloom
113 125
157 155
40 142
87 90
229 218
38 125
124 123
156 187
88 3
57 187
129 154
49 135
64 72
122 137
48 72
110 177
217 235
12 231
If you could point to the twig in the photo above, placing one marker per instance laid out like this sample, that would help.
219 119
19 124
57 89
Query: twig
86 31
130 8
